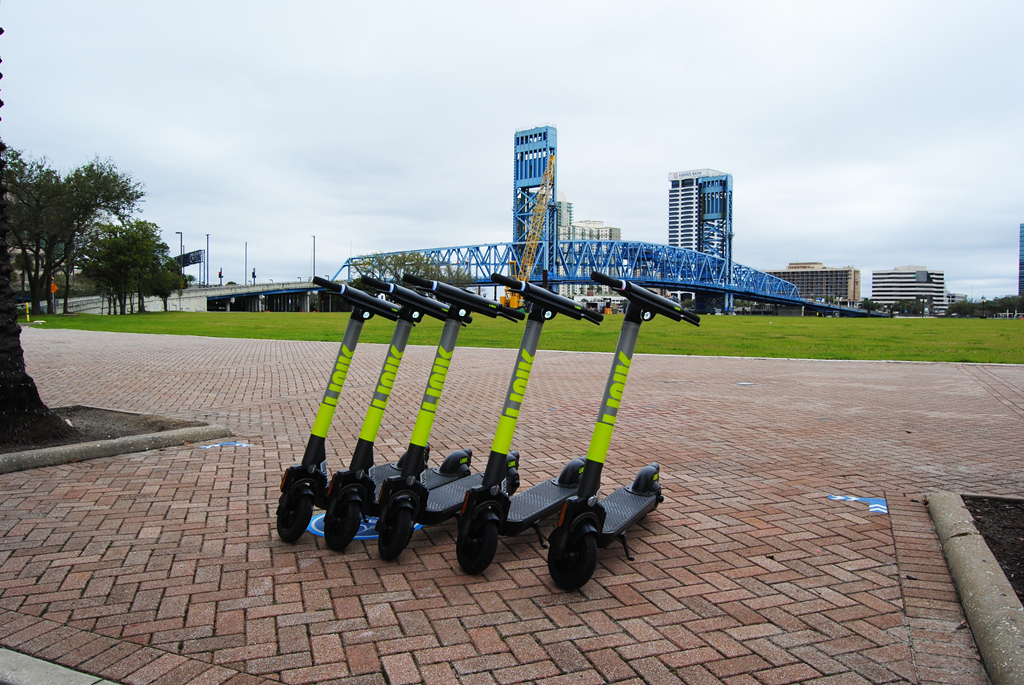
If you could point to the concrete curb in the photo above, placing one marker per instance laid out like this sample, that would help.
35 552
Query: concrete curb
52 456
992 608
19 669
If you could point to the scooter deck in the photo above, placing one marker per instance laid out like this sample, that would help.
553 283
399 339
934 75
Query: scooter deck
623 509
536 504
431 478
446 501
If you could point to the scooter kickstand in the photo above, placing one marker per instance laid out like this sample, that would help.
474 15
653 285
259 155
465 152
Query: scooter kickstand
625 547
536 528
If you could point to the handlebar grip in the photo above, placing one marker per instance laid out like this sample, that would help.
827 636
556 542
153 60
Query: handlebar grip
506 281
691 317
614 283
324 283
592 316
374 283
417 281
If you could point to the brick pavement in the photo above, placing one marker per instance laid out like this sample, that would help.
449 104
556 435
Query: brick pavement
163 567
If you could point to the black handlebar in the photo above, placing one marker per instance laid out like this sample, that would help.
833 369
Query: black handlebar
547 299
360 300
409 298
650 301
465 299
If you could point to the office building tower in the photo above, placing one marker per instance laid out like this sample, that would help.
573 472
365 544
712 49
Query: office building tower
910 283
684 205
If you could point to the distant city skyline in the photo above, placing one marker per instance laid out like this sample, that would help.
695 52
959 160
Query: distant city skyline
854 133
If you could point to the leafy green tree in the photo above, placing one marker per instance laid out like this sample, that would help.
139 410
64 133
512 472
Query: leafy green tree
391 266
50 213
123 259
869 305
165 280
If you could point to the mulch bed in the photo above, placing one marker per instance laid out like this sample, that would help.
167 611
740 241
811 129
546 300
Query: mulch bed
1001 523
91 423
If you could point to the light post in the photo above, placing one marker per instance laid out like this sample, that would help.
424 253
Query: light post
181 255
245 269
206 276
314 256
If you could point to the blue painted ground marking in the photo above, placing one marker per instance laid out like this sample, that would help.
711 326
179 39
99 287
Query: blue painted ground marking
875 504
226 444
366 531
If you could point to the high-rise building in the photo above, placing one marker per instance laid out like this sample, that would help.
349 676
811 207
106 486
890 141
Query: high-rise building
1020 267
684 206
563 211
910 283
816 281
587 230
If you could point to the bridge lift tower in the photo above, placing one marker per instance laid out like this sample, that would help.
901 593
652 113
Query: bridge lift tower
714 231
534 148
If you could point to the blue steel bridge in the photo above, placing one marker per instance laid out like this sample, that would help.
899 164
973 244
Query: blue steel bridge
652 265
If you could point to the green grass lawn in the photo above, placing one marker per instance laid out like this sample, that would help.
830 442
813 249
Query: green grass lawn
951 340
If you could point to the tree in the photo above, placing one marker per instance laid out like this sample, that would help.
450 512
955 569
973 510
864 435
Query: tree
50 212
391 266
165 280
23 411
869 305
123 259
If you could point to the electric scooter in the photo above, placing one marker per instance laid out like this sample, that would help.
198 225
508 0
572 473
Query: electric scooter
305 484
403 497
351 495
485 507
585 523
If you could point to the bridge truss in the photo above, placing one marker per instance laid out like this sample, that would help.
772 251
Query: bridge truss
651 265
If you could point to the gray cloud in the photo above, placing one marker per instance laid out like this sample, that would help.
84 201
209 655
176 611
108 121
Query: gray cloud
871 134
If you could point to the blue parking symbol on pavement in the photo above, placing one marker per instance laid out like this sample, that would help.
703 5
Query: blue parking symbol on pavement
876 505
366 527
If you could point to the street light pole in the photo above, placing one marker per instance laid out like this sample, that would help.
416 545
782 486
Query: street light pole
314 256
206 276
245 271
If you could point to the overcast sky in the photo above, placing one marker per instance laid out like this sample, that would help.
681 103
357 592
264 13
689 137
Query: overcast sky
865 134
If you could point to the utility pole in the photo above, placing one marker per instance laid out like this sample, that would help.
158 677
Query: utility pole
314 256
206 276
245 271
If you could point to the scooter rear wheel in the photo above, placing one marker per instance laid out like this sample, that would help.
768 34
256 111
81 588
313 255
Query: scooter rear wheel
293 517
476 550
395 536
341 523
573 569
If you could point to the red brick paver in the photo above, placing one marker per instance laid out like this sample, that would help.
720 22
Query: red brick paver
164 566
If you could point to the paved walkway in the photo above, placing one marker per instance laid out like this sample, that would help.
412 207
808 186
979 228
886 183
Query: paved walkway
163 567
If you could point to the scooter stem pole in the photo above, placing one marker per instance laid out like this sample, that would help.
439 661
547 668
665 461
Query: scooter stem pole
413 463
590 481
315 453
496 462
386 381
362 457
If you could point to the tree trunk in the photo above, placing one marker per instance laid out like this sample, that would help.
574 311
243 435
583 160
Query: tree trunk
142 303
165 303
24 414
123 297
68 270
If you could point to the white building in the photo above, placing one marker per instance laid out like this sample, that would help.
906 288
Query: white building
587 230
910 283
683 206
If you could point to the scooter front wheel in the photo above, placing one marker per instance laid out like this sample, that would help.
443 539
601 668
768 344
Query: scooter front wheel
573 568
476 550
341 523
293 516
395 535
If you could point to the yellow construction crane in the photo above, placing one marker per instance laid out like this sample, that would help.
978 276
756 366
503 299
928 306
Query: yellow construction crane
521 271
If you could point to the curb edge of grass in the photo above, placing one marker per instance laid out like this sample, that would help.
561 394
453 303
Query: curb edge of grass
65 454
993 610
